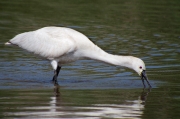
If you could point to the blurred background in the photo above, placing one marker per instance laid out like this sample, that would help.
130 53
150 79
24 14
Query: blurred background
149 30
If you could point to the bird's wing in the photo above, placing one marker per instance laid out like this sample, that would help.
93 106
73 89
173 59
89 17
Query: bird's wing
46 42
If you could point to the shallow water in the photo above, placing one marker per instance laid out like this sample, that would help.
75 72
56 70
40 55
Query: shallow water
89 89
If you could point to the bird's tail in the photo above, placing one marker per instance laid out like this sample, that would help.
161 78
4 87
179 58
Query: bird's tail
8 44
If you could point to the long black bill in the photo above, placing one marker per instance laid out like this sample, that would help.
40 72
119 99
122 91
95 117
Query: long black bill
144 77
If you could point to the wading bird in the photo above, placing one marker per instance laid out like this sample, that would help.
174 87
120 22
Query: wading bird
62 45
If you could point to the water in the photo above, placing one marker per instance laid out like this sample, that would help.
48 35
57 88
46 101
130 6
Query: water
89 89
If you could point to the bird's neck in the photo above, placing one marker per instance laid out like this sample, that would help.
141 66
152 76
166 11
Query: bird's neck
100 55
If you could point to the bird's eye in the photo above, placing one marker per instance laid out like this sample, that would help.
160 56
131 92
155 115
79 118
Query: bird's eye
140 67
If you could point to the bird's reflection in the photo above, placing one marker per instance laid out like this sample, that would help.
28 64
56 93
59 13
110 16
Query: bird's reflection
55 100
56 91
144 95
130 108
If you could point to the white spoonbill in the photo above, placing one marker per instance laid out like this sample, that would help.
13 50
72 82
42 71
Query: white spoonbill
62 45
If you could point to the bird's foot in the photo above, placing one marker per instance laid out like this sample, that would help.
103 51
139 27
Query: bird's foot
54 80
56 83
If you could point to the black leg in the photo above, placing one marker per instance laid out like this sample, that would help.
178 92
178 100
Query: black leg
58 69
56 72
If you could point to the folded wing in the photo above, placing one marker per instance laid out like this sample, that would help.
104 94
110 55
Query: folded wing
49 42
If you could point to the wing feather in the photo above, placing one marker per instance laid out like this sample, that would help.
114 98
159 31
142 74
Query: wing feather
48 42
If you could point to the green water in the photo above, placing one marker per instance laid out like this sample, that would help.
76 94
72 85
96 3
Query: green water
149 30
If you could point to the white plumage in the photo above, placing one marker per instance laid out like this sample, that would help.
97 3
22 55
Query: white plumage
62 45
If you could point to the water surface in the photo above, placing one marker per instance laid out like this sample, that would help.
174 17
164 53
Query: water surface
89 89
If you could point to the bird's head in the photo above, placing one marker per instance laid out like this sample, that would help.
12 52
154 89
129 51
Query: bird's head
139 66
